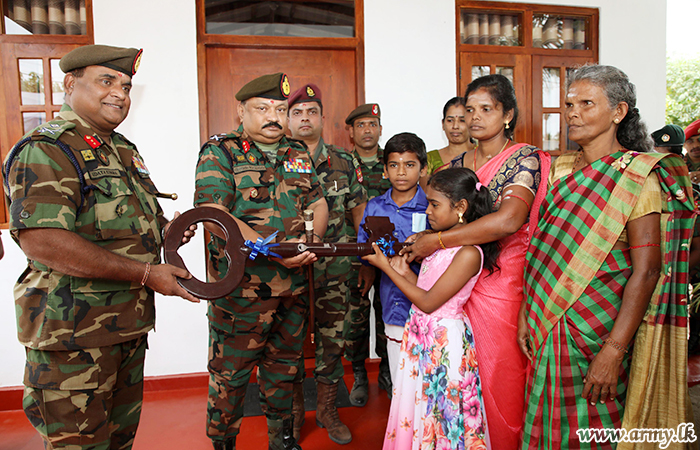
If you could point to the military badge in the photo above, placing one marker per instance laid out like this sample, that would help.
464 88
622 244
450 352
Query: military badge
92 141
240 158
665 138
251 158
253 193
102 156
246 146
87 155
137 63
358 171
140 166
310 92
284 85
375 110
297 166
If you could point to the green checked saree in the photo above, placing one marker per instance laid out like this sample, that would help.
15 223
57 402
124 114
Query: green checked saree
574 282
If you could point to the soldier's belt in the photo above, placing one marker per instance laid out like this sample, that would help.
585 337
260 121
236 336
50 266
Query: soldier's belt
237 251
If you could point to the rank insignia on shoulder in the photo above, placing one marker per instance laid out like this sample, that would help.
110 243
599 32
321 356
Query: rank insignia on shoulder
102 156
297 165
251 158
358 171
245 145
49 128
92 141
140 166
240 158
87 155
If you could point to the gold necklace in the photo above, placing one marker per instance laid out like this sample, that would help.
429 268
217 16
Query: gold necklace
488 157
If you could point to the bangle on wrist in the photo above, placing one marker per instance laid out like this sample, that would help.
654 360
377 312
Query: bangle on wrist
616 345
145 274
440 240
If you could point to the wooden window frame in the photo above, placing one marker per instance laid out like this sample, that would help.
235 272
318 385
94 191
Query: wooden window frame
12 48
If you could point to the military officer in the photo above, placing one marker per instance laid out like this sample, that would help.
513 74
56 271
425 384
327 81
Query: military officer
83 208
692 150
365 128
265 181
669 139
340 174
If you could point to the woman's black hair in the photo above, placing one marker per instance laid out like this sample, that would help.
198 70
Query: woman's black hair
459 183
501 89
631 132
454 101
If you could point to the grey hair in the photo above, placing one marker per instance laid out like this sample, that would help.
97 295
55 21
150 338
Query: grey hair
631 132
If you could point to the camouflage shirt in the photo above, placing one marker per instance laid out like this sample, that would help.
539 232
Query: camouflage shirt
115 209
373 180
339 173
267 196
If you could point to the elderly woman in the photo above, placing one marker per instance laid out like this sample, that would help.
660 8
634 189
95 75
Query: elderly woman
511 171
607 261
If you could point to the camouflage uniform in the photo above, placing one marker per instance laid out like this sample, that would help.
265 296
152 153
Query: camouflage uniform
339 173
268 307
357 334
85 339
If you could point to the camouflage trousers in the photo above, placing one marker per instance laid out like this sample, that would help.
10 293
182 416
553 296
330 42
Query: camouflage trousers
357 321
86 399
331 309
245 333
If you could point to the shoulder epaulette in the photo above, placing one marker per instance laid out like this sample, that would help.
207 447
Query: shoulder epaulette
126 141
218 140
51 130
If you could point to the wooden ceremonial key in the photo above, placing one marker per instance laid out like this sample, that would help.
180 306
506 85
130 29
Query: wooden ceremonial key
379 229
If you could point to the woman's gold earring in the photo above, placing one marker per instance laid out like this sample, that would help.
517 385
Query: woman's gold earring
461 219
507 126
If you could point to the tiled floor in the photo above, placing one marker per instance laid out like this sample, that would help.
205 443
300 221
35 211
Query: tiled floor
175 420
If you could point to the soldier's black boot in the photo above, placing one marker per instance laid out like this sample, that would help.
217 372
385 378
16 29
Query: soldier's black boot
279 434
384 378
359 393
298 411
226 444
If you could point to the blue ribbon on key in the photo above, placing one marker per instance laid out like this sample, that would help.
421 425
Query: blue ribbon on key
262 246
386 246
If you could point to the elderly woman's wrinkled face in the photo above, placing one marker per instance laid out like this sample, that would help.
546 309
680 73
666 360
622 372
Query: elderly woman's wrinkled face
589 115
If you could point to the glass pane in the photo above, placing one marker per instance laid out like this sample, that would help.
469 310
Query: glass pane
550 87
46 17
31 76
506 72
480 71
558 32
56 83
490 29
550 131
331 18
33 120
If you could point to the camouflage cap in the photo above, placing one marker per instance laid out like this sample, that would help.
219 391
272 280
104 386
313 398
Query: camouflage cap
274 86
124 60
692 129
308 93
668 135
366 110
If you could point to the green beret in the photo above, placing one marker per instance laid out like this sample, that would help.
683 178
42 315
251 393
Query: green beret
124 60
668 136
366 110
274 86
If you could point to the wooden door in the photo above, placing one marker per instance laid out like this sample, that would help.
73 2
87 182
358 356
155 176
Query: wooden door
332 70
549 75
514 67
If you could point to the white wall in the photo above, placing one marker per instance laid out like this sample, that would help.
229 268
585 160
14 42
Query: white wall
410 71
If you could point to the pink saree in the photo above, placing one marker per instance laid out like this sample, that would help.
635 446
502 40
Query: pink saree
494 305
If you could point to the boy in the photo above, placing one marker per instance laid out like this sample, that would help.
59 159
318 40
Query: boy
405 162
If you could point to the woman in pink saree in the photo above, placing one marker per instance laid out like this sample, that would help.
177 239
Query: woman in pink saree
513 173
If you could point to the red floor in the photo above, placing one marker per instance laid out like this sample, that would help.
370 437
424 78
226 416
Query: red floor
175 420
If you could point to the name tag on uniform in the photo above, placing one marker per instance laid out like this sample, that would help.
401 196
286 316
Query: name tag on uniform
247 168
101 173
297 166
418 224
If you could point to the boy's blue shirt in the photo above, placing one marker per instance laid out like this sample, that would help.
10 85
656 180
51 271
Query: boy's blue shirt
395 305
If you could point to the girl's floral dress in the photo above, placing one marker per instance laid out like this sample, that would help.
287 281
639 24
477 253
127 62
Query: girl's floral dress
437 402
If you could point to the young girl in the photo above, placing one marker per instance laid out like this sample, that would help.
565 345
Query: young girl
437 402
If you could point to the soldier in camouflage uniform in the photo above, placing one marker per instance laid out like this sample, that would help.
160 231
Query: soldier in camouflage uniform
339 173
365 129
84 211
265 181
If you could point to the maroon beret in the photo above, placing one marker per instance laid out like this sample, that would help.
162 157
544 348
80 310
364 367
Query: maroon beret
308 93
692 129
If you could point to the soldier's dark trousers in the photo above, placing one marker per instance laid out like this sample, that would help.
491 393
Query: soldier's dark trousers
357 322
245 333
86 399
